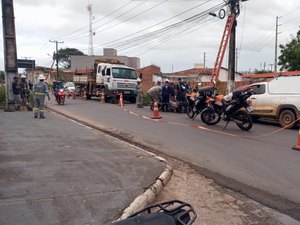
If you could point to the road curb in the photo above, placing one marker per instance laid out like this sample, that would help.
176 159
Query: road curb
151 192
149 195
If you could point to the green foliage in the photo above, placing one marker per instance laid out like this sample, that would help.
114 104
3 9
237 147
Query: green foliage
64 56
262 71
290 54
2 94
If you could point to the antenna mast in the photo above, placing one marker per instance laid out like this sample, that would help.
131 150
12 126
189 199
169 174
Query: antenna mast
91 33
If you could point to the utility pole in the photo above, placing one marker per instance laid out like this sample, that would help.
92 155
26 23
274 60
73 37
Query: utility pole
56 56
234 8
10 50
236 59
204 59
271 64
276 43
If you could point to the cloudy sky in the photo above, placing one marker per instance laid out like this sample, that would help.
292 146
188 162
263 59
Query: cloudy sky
172 34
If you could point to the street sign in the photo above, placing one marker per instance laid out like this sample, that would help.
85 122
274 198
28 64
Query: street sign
25 63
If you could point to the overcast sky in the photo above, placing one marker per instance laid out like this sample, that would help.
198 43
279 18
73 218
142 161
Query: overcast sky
127 26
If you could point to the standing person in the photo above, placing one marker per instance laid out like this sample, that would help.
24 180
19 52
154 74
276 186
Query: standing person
16 93
30 85
139 94
167 92
24 92
40 89
180 90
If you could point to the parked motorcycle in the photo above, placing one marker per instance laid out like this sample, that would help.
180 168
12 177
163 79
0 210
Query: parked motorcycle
173 212
229 109
60 96
195 107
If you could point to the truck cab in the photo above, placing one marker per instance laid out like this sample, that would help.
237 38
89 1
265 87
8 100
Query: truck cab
115 79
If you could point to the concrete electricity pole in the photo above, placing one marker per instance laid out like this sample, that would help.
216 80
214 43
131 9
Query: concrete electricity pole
10 50
234 8
56 56
204 60
276 43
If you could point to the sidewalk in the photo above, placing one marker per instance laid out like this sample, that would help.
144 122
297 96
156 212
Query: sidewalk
55 171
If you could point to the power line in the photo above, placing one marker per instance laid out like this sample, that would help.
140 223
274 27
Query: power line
128 39
95 29
96 21
166 33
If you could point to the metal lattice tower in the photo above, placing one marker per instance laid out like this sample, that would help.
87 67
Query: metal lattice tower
91 33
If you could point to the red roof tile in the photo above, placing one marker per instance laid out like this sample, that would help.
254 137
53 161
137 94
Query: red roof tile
270 75
197 71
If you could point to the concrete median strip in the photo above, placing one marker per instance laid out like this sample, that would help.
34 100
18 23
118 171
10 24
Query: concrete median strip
151 192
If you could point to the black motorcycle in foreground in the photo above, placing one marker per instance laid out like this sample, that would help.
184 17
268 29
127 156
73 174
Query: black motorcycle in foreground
229 109
173 212
196 106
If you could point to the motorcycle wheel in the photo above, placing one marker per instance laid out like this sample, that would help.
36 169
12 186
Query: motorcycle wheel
243 120
209 117
58 100
190 113
63 101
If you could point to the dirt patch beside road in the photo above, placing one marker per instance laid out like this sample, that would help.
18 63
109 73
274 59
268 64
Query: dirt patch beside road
214 205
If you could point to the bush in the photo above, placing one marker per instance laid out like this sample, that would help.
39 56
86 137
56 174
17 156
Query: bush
2 94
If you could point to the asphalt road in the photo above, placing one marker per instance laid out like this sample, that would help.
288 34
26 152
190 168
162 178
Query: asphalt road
55 171
258 163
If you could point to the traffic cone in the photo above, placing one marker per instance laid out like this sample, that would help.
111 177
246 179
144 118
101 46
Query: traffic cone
102 98
155 114
84 96
121 100
297 146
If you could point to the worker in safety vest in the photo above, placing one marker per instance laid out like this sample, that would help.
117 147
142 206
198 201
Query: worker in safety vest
40 89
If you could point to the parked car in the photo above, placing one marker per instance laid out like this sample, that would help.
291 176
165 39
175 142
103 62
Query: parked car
69 87
279 99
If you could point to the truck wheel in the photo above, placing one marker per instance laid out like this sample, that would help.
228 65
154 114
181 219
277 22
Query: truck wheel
286 119
113 99
132 100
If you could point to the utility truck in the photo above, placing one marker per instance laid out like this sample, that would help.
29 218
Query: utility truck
109 77
279 99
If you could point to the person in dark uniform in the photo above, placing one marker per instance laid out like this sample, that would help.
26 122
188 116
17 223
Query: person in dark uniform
167 92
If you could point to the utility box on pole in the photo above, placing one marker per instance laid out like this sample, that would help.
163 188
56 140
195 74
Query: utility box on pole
10 50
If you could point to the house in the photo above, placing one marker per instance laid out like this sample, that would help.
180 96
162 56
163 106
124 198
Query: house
32 74
253 78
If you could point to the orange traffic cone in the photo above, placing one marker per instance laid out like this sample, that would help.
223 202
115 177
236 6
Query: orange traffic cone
155 114
84 96
297 146
121 100
102 98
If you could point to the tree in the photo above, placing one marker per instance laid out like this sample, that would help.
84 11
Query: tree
290 54
64 56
